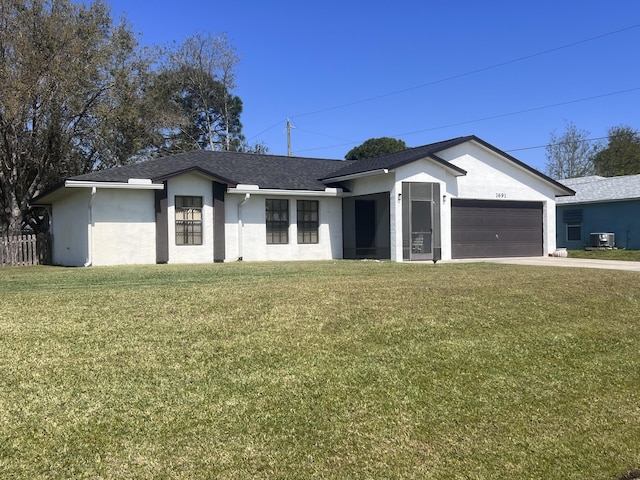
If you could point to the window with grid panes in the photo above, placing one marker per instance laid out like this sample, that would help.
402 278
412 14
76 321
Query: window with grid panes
188 220
308 221
277 221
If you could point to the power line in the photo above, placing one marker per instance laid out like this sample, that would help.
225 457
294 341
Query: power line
586 140
472 72
442 80
537 147
266 130
491 117
519 112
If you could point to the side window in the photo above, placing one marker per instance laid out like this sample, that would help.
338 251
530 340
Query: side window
277 221
308 221
573 219
188 220
574 233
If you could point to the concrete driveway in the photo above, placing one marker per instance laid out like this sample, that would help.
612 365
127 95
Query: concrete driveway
559 262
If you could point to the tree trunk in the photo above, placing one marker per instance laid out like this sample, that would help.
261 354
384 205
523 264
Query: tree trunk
13 228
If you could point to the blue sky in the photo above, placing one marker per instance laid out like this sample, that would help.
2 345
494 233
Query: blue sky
509 72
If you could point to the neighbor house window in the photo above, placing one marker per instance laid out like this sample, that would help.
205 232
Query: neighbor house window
573 219
188 220
308 221
277 213
574 233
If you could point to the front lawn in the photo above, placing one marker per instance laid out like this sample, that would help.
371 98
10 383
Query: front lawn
628 255
326 370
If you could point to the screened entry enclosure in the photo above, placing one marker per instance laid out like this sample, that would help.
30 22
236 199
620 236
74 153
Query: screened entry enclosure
421 221
366 226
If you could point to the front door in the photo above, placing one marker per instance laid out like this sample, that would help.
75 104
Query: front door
421 221
365 228
421 230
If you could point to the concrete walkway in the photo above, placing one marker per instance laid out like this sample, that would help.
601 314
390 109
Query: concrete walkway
558 262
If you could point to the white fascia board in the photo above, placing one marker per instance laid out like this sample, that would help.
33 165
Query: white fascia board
569 201
137 184
357 175
254 190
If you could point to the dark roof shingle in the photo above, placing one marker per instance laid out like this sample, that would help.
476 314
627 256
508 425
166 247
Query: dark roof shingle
397 159
267 171
288 173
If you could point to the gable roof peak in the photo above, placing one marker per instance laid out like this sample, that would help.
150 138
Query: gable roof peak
402 157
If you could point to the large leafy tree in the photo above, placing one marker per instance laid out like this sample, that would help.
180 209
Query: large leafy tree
569 155
375 146
621 155
69 83
194 91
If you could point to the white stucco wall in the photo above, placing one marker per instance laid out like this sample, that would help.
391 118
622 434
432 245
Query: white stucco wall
191 184
382 182
251 245
115 227
124 229
70 229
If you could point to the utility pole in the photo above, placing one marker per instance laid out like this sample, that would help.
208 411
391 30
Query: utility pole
289 127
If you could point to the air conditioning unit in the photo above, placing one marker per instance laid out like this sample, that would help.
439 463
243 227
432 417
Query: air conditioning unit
602 240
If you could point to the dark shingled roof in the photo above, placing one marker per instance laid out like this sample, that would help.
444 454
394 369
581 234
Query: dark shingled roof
286 173
267 171
397 159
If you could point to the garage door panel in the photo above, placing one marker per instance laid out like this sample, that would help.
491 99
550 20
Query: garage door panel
485 228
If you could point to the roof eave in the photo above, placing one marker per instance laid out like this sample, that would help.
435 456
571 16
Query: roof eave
256 190
604 200
195 169
353 176
62 190
454 169
132 184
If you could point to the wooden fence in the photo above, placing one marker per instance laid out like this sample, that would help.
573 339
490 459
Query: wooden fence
25 250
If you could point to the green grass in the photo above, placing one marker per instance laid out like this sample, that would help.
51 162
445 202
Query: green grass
628 255
326 370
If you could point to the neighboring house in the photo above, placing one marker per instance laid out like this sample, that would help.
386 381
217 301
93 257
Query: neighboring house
600 205
459 198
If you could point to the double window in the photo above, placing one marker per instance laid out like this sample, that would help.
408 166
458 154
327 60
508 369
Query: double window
277 221
188 220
